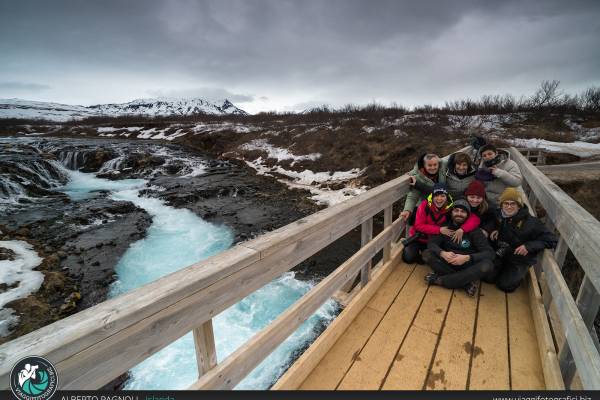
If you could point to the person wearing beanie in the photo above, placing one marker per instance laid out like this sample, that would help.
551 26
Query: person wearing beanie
431 214
476 197
459 265
459 174
428 170
497 172
518 238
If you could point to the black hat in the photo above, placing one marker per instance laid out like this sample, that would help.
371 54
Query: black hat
439 188
462 203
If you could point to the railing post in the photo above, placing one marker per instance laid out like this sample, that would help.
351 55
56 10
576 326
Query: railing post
206 352
366 234
387 221
588 303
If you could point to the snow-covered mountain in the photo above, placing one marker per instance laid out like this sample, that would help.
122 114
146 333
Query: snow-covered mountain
25 109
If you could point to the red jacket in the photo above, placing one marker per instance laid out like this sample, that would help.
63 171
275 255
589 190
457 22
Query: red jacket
430 219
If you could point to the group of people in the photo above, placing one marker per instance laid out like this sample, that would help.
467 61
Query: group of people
469 221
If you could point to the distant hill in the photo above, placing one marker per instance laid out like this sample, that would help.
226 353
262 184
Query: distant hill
25 109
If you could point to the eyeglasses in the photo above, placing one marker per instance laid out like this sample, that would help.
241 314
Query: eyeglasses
509 204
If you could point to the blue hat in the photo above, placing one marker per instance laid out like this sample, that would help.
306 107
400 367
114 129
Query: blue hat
439 188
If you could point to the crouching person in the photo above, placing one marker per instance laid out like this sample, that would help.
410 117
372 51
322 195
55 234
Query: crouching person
459 265
519 238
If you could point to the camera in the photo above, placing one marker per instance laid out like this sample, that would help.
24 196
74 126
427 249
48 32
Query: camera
492 162
411 239
503 249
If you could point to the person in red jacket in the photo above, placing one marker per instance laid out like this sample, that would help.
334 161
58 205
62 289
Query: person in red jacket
431 215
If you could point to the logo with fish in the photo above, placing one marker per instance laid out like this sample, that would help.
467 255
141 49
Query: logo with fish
33 378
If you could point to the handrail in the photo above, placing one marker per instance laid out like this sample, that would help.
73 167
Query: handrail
580 232
93 347
577 226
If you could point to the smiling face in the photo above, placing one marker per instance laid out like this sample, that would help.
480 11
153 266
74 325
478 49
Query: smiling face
432 166
474 200
440 200
510 208
488 155
461 168
459 216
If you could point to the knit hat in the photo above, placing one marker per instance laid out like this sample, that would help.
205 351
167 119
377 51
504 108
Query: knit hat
475 188
511 194
439 188
462 203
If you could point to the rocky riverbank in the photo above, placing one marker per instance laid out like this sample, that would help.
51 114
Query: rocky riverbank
81 242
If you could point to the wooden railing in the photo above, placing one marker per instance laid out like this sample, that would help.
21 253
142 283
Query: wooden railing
535 156
95 346
572 319
99 344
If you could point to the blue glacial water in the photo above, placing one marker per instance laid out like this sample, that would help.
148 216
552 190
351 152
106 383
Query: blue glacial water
176 239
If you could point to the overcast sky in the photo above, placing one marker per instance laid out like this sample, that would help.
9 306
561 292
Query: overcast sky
288 55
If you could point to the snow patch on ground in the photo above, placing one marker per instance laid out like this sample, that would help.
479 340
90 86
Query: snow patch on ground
277 153
18 272
309 180
578 148
486 122
585 134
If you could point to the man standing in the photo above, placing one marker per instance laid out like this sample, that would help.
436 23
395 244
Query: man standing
459 265
520 237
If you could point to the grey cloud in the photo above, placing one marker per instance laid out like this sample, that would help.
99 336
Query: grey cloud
335 51
23 86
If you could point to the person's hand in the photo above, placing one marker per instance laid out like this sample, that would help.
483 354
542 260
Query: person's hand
448 256
521 250
444 230
494 235
413 180
458 235
493 170
460 259
404 215
485 233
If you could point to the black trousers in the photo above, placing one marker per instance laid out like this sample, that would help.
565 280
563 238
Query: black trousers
510 271
457 276
412 253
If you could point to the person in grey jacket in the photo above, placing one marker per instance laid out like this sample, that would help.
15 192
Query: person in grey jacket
428 171
497 171
459 174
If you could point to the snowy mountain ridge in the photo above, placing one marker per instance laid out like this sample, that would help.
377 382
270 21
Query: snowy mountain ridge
26 109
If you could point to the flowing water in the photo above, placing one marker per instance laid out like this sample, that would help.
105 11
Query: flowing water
176 239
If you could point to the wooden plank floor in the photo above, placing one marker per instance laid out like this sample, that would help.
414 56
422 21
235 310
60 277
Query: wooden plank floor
411 336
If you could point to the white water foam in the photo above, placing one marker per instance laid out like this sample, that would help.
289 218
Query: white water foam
178 238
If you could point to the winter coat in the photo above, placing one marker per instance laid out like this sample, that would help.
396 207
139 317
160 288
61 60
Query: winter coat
424 184
523 228
430 219
488 219
506 174
473 243
457 184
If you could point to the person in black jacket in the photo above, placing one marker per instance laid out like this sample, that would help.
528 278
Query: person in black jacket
459 265
475 196
520 237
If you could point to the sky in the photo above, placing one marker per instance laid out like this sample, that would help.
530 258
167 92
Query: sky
291 55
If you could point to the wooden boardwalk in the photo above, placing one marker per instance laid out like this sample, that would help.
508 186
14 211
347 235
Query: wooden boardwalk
411 336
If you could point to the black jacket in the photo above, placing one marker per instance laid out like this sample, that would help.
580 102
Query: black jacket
473 243
523 228
488 219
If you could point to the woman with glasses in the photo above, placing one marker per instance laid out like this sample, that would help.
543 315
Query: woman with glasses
518 238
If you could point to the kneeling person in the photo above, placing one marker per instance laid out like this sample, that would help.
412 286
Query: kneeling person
459 265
